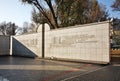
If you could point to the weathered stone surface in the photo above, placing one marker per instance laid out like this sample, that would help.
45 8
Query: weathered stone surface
27 45
89 43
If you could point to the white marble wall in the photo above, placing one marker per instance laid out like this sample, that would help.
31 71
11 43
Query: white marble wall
89 43
82 43
27 45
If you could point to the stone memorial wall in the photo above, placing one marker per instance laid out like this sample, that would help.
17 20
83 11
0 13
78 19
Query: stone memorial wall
87 43
27 45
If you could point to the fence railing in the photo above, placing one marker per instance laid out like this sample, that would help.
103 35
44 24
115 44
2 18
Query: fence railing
115 52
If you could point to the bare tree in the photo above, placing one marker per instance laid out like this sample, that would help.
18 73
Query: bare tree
43 6
8 28
116 5
28 28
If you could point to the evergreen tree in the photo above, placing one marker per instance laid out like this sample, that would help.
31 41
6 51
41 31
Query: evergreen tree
68 12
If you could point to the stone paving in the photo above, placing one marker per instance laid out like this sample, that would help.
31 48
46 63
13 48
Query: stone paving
28 69
110 73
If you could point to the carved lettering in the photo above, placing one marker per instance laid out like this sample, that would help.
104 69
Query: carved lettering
30 43
74 39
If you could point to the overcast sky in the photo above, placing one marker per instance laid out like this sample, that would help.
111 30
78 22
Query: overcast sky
15 11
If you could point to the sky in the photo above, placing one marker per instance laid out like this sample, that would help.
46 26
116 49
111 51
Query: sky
15 11
18 13
108 3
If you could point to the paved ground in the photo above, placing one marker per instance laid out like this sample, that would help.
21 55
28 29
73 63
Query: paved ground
109 73
27 69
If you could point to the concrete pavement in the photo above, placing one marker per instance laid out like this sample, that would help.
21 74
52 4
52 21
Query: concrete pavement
109 73
28 69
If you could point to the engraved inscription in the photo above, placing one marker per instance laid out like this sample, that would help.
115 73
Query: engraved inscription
71 40
30 43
